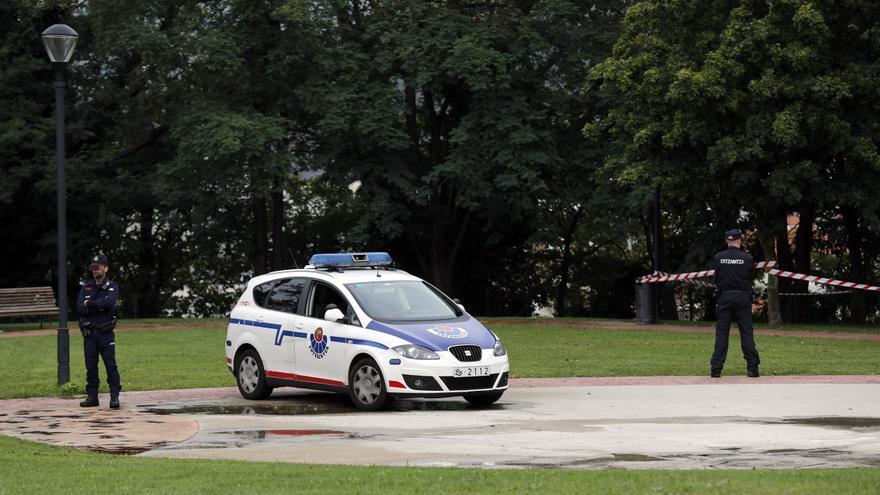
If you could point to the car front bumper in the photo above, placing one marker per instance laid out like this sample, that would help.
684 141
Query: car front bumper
446 376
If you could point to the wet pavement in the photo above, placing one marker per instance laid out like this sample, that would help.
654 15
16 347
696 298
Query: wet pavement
706 424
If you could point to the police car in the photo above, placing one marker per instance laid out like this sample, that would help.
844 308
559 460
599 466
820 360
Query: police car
351 323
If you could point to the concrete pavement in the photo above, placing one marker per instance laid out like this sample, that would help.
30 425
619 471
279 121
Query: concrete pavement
650 422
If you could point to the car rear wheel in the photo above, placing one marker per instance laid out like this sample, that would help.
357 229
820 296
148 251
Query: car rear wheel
366 385
251 377
484 399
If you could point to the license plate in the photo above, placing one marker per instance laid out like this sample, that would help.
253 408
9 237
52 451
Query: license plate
475 371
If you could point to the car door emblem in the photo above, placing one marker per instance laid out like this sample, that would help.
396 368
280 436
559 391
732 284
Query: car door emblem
318 343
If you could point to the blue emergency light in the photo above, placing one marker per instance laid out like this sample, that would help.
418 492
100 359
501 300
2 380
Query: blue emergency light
348 260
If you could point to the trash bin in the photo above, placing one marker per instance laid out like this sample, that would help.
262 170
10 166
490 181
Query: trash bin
645 313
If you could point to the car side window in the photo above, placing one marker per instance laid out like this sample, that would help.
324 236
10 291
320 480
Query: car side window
324 295
262 291
285 295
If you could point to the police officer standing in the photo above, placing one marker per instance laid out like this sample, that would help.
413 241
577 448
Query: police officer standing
734 270
96 306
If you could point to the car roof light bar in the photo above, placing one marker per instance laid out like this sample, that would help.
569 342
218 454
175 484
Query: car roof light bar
346 260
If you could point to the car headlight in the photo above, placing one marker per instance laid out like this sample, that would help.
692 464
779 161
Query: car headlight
415 352
500 350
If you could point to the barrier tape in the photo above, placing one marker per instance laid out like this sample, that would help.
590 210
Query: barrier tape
664 277
835 293
823 280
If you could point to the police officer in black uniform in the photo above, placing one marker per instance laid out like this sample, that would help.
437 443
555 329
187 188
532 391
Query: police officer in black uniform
734 270
96 306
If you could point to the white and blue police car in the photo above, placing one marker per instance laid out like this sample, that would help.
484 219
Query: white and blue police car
351 323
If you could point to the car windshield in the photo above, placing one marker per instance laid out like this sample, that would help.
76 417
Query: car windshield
403 301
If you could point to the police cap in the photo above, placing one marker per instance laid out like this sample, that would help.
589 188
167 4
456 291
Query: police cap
98 259
733 235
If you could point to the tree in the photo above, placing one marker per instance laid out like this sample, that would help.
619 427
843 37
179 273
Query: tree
754 99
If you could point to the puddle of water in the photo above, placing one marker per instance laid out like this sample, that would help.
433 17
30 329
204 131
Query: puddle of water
263 434
429 405
314 406
635 458
295 409
809 452
302 433
118 450
836 422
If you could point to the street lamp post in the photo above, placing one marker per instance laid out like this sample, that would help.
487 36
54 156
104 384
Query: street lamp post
60 41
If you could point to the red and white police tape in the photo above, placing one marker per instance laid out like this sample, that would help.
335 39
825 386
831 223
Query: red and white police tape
664 277
823 280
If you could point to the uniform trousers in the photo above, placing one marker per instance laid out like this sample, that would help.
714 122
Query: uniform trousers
103 344
735 305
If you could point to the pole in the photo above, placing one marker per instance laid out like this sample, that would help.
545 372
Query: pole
656 288
63 333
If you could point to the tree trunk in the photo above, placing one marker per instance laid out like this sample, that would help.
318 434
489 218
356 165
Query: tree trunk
774 312
278 253
796 308
565 263
857 264
260 253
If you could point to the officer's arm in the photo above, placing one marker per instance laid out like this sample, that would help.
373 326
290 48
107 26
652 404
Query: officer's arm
109 300
81 307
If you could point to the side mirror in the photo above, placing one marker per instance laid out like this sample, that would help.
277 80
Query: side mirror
332 313
458 303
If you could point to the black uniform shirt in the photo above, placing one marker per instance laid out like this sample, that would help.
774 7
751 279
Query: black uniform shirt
101 299
734 270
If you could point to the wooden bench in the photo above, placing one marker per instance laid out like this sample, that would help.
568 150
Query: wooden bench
28 301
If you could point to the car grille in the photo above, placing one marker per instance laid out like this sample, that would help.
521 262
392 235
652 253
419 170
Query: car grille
461 352
470 382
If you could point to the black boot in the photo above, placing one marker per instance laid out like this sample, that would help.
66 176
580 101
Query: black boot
114 401
715 374
91 401
753 373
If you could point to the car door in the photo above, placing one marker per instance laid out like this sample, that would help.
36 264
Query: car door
322 356
281 322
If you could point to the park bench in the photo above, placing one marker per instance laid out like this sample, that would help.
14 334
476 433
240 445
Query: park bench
28 301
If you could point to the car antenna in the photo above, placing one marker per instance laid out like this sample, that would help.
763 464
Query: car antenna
295 265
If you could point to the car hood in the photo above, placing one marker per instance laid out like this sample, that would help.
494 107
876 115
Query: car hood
439 336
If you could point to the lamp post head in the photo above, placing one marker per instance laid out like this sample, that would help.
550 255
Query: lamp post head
60 41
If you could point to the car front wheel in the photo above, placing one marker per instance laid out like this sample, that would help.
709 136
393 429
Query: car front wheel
366 385
251 376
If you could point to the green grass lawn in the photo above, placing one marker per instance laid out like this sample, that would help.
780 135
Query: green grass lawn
805 327
28 466
192 355
553 352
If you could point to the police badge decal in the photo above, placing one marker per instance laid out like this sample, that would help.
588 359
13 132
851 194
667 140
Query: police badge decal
448 332
318 344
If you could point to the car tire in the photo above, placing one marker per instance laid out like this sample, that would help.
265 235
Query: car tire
483 400
366 385
251 376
